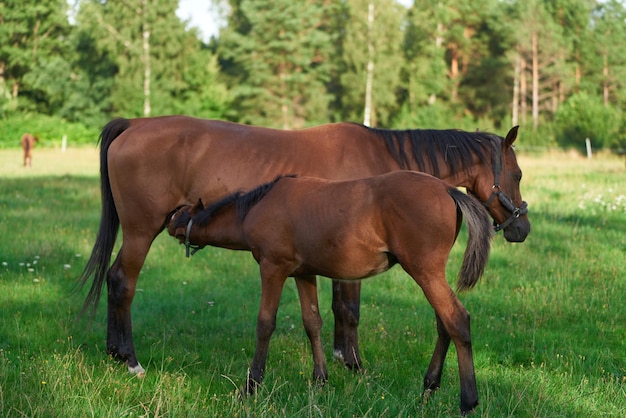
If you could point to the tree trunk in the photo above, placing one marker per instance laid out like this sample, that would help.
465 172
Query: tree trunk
535 70
147 109
367 113
523 91
454 73
605 81
516 93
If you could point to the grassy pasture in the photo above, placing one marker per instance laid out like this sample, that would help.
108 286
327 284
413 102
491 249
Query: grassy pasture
548 318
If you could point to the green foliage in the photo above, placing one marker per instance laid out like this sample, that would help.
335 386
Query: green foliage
464 64
153 65
584 116
377 44
605 64
280 53
34 42
48 129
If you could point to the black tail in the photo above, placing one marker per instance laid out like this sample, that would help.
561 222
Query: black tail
480 232
100 258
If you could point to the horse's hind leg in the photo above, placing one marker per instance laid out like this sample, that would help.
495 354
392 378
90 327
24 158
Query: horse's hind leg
346 309
307 290
432 380
121 284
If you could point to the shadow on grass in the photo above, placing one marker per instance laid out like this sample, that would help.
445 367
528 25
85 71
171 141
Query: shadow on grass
541 305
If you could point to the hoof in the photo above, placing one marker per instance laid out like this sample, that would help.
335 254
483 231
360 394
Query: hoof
427 394
137 370
466 413
468 410
250 388
320 380
356 365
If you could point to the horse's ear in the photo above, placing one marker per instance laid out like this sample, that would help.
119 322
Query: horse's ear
511 137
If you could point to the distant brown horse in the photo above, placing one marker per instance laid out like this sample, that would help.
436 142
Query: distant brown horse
28 143
351 230
151 166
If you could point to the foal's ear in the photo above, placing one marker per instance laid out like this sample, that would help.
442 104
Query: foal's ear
511 137
199 206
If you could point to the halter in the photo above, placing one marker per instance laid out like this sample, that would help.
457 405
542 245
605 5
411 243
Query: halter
190 249
505 200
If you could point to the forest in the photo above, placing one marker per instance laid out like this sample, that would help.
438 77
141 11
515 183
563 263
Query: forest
557 68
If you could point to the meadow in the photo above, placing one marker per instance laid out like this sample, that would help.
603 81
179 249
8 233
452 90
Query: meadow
548 317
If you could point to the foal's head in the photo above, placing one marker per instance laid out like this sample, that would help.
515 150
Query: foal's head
179 221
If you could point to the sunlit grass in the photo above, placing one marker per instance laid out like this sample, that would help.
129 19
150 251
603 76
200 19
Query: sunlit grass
547 318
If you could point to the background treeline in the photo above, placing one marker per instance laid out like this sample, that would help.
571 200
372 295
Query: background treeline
555 67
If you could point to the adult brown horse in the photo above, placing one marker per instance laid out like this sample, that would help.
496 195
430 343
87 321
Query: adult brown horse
351 230
151 166
28 143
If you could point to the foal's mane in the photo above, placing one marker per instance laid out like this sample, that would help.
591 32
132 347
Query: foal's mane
243 201
457 147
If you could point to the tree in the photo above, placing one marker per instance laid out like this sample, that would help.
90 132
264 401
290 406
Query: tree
160 67
32 50
278 55
585 116
605 72
456 67
372 49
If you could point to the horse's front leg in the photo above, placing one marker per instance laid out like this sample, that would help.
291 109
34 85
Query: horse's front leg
307 290
272 281
121 284
432 380
346 309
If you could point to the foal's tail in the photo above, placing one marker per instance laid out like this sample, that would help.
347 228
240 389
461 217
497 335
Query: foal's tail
480 232
100 258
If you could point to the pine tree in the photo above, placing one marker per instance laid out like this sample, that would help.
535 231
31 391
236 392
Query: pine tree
160 67
372 50
605 73
32 50
278 53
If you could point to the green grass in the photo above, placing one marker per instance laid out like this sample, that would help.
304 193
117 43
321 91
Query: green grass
547 318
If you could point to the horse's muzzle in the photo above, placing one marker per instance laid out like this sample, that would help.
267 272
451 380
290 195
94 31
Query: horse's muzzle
518 230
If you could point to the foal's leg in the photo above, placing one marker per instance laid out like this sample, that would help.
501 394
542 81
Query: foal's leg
307 290
453 322
435 369
272 281
456 321
346 309
121 284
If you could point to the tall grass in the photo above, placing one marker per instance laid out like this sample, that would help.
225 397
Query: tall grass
547 319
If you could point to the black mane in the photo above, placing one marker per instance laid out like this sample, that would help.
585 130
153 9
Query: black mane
457 147
243 201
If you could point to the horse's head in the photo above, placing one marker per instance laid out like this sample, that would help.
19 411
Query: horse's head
500 191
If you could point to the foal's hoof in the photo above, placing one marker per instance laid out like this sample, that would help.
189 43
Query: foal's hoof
249 388
465 413
352 364
468 406
319 381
